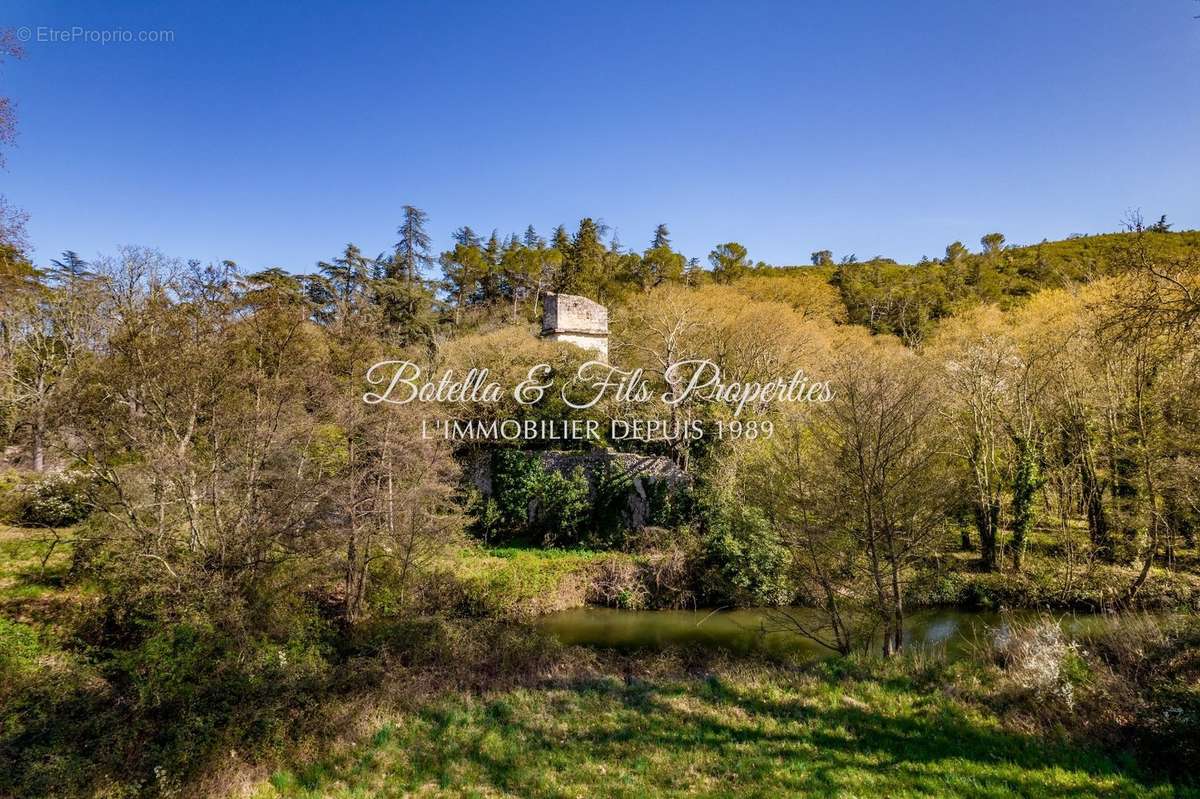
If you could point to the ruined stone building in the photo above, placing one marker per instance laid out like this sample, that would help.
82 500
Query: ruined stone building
576 320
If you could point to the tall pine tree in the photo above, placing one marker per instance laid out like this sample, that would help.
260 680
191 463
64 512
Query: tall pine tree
412 250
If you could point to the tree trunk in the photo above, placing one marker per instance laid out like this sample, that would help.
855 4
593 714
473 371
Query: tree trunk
987 522
39 439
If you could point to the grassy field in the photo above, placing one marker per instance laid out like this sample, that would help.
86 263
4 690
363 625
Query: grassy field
742 731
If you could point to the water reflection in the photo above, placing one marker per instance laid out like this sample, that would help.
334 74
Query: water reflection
760 630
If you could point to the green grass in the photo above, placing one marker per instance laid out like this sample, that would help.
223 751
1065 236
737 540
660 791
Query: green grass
32 585
521 583
750 732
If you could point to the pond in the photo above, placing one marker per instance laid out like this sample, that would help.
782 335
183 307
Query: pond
749 630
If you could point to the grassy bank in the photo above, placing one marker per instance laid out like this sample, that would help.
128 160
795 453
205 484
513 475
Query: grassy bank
480 705
737 730
518 583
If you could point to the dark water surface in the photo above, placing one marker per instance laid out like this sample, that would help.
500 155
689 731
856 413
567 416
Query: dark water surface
749 630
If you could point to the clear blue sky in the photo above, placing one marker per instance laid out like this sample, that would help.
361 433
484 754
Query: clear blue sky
273 133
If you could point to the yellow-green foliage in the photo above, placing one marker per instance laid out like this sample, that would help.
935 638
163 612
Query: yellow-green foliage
513 583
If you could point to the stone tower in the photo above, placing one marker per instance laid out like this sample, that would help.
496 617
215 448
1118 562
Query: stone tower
577 320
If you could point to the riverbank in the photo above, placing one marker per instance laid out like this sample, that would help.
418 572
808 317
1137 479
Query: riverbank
520 583
451 704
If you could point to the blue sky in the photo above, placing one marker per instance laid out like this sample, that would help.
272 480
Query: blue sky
273 133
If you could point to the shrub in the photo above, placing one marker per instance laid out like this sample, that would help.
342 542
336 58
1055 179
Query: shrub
617 582
671 504
57 500
750 564
561 507
1039 659
534 503
609 523
515 477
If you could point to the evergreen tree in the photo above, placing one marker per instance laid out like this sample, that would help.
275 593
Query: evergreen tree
992 243
71 267
561 245
532 240
662 237
412 250
462 269
489 280
467 237
348 274
956 252
659 264
583 265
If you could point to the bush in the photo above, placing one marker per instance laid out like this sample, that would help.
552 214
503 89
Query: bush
561 508
750 564
532 503
57 500
1039 659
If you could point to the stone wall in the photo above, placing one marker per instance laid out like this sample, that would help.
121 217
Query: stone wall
642 470
576 320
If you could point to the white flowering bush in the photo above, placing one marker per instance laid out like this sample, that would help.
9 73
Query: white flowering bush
57 500
1038 658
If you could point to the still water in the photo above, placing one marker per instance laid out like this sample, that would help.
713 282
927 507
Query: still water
958 632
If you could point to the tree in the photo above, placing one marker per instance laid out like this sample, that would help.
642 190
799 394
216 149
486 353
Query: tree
659 263
71 267
12 221
583 262
976 360
46 330
992 243
412 250
729 262
955 253
348 274
9 48
662 237
1161 226
884 442
258 466
822 258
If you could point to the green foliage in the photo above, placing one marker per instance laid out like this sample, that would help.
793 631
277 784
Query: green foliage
561 507
515 478
750 564
186 693
907 300
672 505
729 262
608 522
1027 481
523 583
534 503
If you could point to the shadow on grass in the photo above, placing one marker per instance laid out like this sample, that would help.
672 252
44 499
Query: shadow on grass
709 738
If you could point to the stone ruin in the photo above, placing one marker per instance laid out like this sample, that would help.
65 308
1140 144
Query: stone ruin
576 320
643 473
584 323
